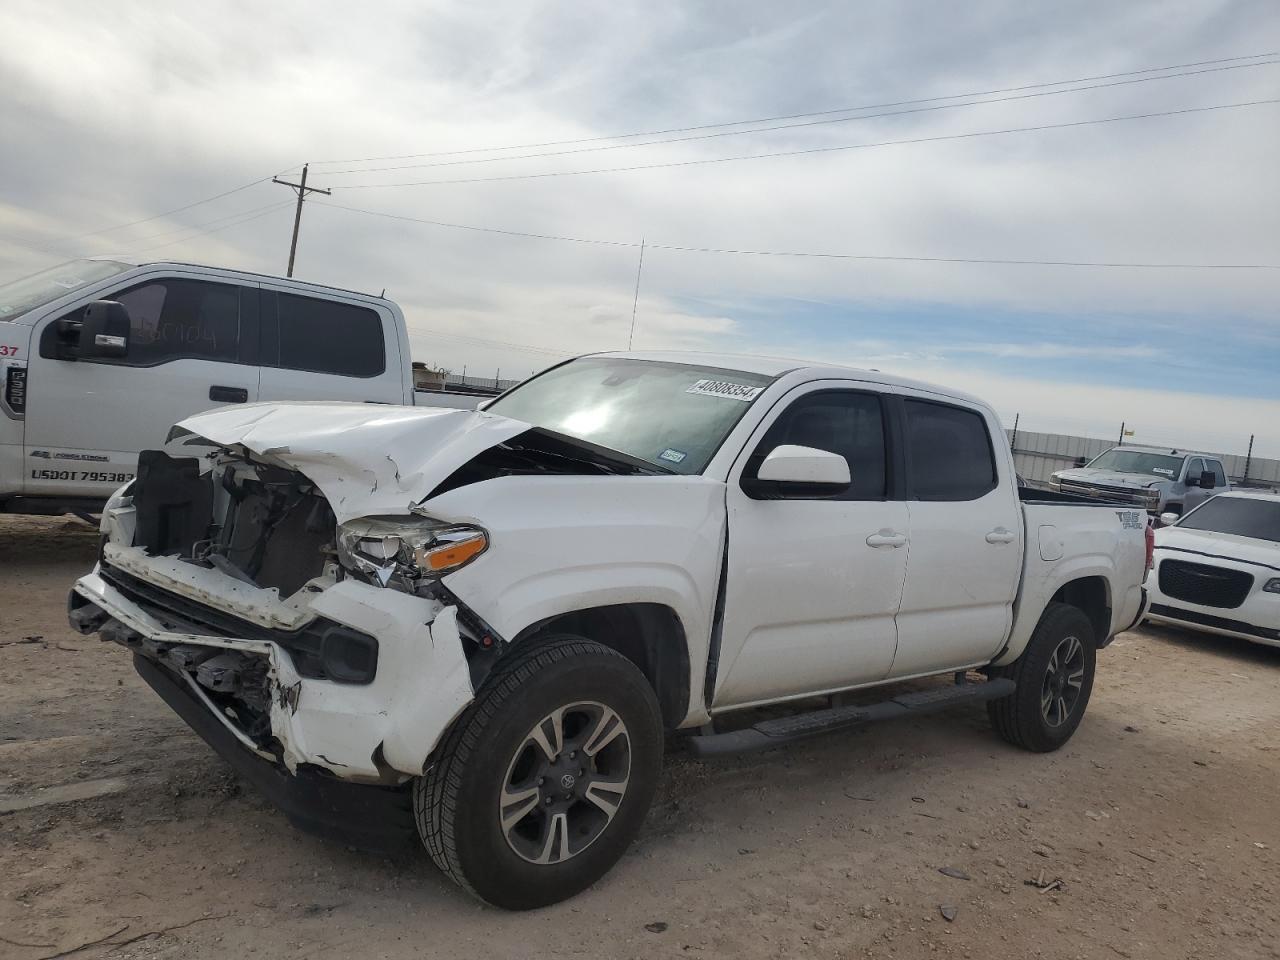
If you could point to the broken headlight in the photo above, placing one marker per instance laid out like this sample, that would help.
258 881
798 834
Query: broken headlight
402 553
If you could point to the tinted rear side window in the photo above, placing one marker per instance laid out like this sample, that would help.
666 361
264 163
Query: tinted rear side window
327 337
949 451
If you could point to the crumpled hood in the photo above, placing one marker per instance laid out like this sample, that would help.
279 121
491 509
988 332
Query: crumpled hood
1110 478
367 459
1246 549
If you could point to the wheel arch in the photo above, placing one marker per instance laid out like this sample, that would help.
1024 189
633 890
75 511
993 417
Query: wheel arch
1091 595
1085 583
650 635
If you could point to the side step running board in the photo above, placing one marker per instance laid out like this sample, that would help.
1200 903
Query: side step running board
768 734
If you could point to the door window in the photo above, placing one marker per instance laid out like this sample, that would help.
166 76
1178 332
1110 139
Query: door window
322 336
949 450
173 319
1195 467
839 421
1218 474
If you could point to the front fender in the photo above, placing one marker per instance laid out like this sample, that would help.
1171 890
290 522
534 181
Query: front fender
565 543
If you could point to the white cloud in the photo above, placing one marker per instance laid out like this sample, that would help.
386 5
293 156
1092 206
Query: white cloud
128 109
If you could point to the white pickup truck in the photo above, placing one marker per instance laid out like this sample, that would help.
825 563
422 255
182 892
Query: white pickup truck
478 625
98 358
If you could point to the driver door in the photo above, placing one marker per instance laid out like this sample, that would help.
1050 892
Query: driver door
192 346
814 578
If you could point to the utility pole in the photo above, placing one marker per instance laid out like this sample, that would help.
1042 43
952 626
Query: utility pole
301 189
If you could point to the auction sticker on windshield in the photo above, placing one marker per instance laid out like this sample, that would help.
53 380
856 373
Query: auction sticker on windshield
725 388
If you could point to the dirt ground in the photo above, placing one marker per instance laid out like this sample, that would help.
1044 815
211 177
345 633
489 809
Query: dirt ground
1160 819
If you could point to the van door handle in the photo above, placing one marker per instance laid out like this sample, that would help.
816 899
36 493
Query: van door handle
228 394
886 538
1001 535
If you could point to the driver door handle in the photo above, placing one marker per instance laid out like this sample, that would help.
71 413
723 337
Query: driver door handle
1001 535
887 538
228 394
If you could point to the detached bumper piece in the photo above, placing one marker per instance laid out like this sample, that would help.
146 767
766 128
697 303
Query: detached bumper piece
769 734
361 815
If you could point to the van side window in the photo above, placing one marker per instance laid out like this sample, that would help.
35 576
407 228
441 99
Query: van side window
839 421
322 336
949 452
174 319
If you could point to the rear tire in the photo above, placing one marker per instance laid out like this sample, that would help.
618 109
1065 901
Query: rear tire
1054 678
543 782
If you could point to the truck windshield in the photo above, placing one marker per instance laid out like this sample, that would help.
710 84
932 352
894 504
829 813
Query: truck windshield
1238 516
673 415
18 297
1135 461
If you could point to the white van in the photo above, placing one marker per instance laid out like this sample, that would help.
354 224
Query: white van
99 357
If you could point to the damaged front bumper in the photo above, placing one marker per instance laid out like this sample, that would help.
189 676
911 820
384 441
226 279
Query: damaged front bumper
283 705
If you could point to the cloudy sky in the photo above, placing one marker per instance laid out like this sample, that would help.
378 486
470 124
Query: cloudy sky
487 115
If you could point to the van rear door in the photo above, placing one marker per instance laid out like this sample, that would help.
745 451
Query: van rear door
192 346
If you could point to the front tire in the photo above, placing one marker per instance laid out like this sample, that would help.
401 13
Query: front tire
542 783
1054 678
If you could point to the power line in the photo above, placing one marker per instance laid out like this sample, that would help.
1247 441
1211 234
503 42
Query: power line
463 226
797 116
206 223
809 150
794 126
169 213
679 248
235 223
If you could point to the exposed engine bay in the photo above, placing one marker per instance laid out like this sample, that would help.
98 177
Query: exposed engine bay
264 525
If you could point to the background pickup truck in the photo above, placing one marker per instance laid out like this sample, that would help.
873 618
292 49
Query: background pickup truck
98 358
489 618
1156 479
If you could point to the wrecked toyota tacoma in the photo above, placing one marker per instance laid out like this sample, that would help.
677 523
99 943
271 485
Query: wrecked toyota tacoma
477 626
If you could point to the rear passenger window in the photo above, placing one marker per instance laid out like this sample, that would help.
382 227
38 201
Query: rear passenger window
949 450
322 336
839 421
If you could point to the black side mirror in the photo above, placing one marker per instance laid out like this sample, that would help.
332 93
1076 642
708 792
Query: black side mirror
104 331
1207 480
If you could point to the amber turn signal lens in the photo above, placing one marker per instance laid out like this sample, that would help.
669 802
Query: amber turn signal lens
448 556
